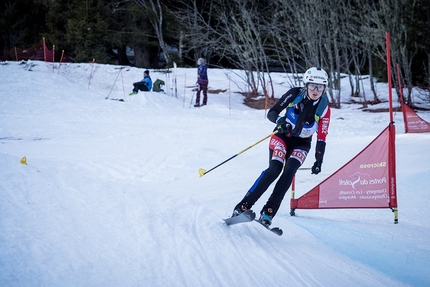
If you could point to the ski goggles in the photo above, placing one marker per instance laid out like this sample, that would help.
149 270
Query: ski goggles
318 87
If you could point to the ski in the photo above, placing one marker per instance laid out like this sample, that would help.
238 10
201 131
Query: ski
275 230
249 216
246 216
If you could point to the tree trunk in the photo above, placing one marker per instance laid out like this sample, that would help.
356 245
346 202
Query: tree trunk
122 57
141 57
372 84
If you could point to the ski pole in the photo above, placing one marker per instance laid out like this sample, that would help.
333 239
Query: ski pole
202 171
194 91
192 97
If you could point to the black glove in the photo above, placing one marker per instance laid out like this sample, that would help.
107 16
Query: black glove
283 126
316 168
319 154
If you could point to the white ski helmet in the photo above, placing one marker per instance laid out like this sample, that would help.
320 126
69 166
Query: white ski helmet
315 75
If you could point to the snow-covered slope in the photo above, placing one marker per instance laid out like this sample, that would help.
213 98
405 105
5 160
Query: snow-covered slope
111 194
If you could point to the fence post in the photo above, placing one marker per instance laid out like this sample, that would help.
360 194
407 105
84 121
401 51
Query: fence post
91 75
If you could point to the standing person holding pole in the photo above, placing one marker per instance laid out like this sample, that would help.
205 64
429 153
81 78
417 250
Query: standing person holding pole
202 82
306 112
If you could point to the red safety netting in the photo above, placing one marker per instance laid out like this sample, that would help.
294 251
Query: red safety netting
18 54
38 52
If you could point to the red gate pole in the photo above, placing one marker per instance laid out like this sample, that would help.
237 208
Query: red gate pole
392 143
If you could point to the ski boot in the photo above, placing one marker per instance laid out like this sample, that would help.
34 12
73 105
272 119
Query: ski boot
266 217
239 209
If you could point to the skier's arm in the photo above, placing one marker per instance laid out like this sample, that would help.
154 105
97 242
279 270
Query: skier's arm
282 104
319 155
323 125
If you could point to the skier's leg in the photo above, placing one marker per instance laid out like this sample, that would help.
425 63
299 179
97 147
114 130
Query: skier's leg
277 157
260 185
295 160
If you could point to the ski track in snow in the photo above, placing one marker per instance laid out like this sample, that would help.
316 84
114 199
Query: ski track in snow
111 195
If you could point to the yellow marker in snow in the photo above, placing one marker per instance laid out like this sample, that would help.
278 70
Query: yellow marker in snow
24 160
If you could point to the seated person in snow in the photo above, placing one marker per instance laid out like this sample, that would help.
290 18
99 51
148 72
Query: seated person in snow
144 85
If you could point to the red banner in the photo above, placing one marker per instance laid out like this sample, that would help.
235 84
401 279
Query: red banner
366 181
413 123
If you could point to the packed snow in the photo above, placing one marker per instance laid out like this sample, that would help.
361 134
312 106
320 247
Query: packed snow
110 193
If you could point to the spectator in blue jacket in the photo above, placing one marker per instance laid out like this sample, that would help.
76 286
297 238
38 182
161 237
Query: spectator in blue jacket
144 85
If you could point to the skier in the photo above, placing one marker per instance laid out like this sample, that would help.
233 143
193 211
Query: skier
144 85
202 82
306 112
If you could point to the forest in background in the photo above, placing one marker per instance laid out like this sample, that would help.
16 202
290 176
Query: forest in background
342 36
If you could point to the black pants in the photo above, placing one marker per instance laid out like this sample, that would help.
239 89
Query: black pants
268 176
140 86
203 88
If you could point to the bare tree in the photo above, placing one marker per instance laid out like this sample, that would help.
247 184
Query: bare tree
234 34
154 10
342 36
198 31
391 17
307 34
